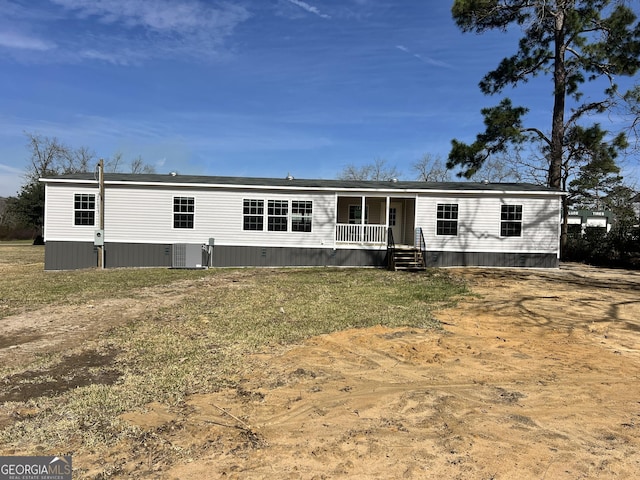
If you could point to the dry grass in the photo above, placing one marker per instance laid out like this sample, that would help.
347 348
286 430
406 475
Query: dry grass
25 286
197 344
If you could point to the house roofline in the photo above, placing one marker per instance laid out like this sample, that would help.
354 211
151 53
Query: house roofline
256 183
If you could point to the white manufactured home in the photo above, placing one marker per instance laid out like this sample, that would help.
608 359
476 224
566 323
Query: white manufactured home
203 221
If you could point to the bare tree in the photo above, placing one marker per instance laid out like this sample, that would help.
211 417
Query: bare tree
496 170
138 166
47 156
81 160
378 171
115 165
531 166
431 169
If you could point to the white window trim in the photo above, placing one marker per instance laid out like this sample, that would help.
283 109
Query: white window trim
457 220
521 221
95 210
173 213
265 215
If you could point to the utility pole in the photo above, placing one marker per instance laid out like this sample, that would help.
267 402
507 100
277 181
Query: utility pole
101 207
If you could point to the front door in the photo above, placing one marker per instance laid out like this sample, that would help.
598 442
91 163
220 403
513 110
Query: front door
396 221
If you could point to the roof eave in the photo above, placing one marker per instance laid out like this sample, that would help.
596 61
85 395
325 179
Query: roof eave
245 186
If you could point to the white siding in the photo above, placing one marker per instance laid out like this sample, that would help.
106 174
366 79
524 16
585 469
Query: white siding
59 214
479 224
145 215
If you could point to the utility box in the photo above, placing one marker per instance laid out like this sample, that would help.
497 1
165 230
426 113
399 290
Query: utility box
98 238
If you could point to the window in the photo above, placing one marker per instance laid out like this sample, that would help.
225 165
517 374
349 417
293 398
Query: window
183 212
447 219
301 215
84 209
355 214
511 221
393 215
253 212
277 215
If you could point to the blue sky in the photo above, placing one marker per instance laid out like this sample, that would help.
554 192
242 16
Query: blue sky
246 87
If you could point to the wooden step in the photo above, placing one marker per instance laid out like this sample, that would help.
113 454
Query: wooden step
408 259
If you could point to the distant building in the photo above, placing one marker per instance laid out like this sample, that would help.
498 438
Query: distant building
580 220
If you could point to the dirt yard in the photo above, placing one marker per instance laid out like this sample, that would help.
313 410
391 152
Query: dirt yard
536 376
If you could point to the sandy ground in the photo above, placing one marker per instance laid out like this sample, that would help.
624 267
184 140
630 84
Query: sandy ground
534 377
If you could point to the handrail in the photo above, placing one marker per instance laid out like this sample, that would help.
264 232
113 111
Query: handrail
390 248
423 248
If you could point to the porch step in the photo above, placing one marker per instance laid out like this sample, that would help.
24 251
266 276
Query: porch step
407 258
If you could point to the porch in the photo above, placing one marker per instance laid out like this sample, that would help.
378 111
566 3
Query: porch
381 216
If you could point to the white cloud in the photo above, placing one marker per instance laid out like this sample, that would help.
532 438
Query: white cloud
25 42
109 57
11 179
309 8
427 60
160 15
432 61
120 32
8 169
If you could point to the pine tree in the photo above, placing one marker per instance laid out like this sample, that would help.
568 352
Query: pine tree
574 41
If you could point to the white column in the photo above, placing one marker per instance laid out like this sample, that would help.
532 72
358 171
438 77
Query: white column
363 204
386 238
387 215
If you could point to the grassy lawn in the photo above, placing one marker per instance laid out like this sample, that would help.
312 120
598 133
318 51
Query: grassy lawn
194 345
25 286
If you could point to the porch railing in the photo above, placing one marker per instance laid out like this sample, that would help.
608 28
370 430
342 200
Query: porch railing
391 246
423 246
350 233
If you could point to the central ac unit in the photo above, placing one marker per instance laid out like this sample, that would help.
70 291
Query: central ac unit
186 255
